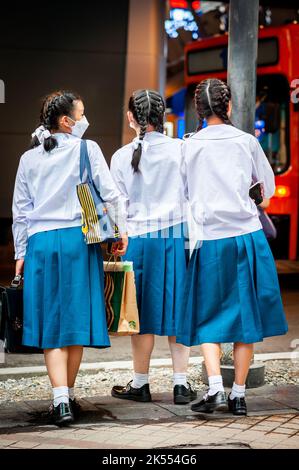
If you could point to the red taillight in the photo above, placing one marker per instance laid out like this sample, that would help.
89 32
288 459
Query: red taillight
196 6
282 191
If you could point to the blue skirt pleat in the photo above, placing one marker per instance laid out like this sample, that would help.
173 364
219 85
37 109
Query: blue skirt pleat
160 261
231 293
64 291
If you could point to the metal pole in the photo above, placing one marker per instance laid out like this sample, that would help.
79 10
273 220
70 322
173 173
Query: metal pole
242 58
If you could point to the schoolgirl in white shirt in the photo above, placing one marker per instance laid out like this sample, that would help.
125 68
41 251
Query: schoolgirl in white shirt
64 307
232 293
149 175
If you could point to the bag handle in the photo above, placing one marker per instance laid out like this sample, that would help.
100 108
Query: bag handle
115 260
16 282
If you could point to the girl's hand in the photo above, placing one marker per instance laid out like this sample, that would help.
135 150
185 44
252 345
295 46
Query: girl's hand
265 203
19 267
120 248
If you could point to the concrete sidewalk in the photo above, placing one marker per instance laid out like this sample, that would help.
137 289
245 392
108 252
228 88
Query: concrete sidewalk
108 423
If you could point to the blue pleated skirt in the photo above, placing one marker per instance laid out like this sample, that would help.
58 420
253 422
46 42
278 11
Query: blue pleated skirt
160 260
63 291
231 293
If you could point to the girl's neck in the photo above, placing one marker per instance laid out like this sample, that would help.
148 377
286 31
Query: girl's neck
214 121
149 128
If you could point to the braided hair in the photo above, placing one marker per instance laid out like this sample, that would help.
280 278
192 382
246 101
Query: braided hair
148 108
212 97
54 105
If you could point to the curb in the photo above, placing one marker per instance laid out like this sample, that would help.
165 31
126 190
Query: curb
94 367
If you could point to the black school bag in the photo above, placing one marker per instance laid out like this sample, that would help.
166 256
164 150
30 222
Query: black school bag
11 318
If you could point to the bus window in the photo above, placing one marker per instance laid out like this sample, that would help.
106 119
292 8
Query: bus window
272 109
214 59
272 118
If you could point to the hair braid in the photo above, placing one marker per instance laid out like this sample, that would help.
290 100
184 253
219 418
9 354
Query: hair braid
55 104
148 108
212 96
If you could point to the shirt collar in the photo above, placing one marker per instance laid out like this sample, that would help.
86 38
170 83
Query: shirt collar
63 137
218 131
153 138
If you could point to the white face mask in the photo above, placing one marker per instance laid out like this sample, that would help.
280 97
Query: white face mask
79 127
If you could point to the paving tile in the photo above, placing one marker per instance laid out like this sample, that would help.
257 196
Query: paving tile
286 446
237 425
277 419
282 430
49 446
262 404
274 438
226 432
7 442
25 444
290 425
261 445
251 435
264 427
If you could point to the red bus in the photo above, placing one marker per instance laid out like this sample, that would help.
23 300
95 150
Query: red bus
277 70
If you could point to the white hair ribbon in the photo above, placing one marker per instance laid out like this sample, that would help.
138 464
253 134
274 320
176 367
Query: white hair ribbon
144 144
41 133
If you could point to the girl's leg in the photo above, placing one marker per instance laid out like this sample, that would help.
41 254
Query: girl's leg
242 357
142 348
180 358
215 399
212 354
73 365
56 362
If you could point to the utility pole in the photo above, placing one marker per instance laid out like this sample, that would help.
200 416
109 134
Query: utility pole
242 59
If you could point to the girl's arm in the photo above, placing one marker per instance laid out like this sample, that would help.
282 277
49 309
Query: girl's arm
22 203
262 170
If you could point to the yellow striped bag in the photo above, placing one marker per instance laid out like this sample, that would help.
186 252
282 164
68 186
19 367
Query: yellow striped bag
97 224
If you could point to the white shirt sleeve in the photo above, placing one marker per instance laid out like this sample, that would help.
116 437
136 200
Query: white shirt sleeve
22 203
262 170
107 188
118 178
183 170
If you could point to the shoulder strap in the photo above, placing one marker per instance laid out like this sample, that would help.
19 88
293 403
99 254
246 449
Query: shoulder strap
85 164
84 161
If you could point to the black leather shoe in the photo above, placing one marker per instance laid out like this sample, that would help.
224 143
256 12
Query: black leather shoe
183 395
75 407
208 404
62 414
130 393
237 406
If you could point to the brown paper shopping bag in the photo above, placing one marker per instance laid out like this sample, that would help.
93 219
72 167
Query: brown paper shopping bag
120 299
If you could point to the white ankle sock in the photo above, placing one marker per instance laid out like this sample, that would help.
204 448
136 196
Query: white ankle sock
215 384
180 379
237 391
139 380
72 393
61 395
